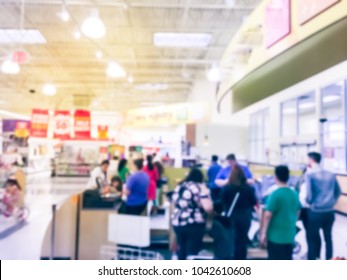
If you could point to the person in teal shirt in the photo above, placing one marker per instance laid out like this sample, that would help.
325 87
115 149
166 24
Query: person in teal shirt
280 217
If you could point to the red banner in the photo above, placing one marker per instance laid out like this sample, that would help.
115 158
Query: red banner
82 125
102 132
39 123
62 125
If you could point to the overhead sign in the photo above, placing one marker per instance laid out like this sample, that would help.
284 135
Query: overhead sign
22 129
309 9
82 123
39 123
102 132
168 115
277 22
62 125
20 57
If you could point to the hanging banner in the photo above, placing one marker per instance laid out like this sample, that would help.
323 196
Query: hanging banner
277 22
308 9
176 114
102 132
22 130
62 125
39 123
82 124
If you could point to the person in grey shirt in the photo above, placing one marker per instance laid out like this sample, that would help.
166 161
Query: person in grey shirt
322 194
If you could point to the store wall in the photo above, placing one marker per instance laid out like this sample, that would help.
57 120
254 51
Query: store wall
226 134
222 140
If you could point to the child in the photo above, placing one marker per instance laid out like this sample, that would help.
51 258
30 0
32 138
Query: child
115 188
12 196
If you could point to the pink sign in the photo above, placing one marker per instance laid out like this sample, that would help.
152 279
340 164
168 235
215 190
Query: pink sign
277 22
308 9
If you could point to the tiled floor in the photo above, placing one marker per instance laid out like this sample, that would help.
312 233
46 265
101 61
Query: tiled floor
23 241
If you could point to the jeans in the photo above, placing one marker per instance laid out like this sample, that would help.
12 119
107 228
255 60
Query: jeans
189 239
317 221
242 225
304 219
221 241
278 251
135 209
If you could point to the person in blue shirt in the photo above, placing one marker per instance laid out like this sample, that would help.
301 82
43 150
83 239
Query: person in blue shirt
224 174
137 190
212 173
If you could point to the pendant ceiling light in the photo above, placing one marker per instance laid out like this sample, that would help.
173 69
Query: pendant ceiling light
93 27
214 74
114 70
10 67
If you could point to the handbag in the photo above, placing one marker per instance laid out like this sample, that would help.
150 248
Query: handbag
223 218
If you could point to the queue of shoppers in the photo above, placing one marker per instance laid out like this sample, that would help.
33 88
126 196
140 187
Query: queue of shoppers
195 203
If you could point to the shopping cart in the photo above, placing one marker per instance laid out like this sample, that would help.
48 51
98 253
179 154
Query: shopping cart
130 234
114 252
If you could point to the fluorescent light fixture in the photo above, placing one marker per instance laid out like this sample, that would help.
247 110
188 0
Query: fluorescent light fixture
10 67
181 39
114 70
230 3
331 98
14 115
99 54
152 87
49 89
93 27
26 36
214 74
77 35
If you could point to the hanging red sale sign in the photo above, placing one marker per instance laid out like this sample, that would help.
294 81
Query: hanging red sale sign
82 124
62 125
102 132
39 123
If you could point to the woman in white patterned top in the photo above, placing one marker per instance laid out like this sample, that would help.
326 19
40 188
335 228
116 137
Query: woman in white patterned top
192 203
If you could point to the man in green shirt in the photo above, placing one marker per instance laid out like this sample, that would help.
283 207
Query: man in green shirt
281 213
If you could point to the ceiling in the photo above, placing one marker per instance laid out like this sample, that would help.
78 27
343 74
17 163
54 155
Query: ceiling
81 80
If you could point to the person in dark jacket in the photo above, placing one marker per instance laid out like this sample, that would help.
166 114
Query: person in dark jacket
242 214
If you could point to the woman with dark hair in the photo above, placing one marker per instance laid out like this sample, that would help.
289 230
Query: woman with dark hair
123 171
192 203
242 214
153 175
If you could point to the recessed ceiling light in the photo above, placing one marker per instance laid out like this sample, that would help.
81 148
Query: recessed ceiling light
181 39
114 70
130 79
26 36
98 54
10 67
152 87
49 89
64 14
93 27
77 35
